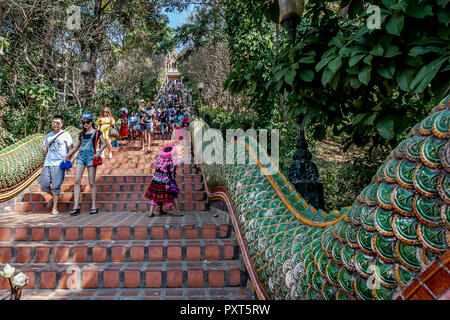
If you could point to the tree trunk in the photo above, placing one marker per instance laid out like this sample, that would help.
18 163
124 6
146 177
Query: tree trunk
2 3
93 47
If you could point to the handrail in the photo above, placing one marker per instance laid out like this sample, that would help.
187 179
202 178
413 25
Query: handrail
396 227
21 164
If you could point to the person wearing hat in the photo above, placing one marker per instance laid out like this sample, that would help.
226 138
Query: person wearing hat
87 140
57 144
163 190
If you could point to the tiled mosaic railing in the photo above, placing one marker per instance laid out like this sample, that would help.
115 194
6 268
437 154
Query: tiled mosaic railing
395 228
21 162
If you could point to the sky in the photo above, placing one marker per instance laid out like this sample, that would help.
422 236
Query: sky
178 18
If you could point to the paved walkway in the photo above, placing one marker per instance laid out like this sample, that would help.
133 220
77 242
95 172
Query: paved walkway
121 253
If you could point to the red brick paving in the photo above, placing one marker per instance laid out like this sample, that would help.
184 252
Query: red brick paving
121 253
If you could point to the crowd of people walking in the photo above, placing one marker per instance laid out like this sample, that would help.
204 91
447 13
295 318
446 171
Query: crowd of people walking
168 112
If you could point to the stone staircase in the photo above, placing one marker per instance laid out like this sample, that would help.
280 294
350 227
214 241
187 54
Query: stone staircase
121 253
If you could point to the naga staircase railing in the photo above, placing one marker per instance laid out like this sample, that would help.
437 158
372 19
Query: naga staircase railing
21 164
396 232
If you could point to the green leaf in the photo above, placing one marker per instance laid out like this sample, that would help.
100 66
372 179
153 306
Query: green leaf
345 51
371 119
306 75
368 60
420 12
395 24
357 49
355 83
281 73
306 59
385 127
391 51
353 70
414 61
335 64
419 50
401 5
357 119
443 17
404 78
253 87
377 50
338 41
442 3
322 63
355 59
290 76
426 75
387 71
389 3
364 75
327 75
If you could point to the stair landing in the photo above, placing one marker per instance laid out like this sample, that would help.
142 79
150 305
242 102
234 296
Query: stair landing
121 253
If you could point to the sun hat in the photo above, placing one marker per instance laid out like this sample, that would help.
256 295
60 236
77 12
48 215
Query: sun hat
86 116
167 151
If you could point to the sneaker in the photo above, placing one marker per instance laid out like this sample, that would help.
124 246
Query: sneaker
55 213
110 155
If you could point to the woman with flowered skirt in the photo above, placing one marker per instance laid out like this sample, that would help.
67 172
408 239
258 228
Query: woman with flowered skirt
163 189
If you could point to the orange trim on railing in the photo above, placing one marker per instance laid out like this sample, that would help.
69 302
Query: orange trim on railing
287 202
20 146
281 195
21 186
220 193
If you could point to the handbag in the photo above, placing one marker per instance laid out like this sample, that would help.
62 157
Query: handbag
173 187
97 160
113 132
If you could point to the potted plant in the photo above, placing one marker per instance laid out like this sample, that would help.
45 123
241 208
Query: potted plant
18 281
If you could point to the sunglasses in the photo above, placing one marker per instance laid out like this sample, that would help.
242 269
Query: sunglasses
86 122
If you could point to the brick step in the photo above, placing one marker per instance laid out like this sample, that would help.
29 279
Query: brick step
183 274
70 229
110 196
141 167
118 188
117 251
145 179
219 293
106 206
127 171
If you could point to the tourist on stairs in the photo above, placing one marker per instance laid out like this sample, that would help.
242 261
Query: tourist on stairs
106 121
124 125
57 144
164 121
149 116
87 142
162 192
132 126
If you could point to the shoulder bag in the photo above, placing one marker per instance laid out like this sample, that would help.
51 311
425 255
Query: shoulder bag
97 160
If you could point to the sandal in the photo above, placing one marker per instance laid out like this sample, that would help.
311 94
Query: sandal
180 214
75 212
163 212
93 211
